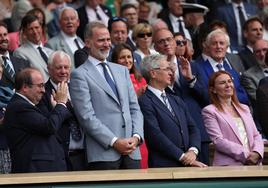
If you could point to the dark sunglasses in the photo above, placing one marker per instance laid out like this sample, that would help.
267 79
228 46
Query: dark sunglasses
142 35
181 42
116 18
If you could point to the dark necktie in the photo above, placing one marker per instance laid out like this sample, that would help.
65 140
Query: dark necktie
42 53
7 67
77 44
165 99
109 79
180 26
75 130
241 16
97 14
219 66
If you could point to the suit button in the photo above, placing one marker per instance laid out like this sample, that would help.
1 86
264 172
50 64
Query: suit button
181 131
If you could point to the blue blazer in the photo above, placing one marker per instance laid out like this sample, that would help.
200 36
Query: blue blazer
31 136
205 70
226 14
167 137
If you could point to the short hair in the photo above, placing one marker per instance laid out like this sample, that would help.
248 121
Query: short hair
116 19
61 54
159 30
214 97
141 28
36 10
68 8
127 6
249 21
217 23
88 33
24 77
27 20
149 63
3 24
216 32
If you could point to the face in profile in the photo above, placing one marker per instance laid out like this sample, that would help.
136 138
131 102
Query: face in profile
125 58
223 86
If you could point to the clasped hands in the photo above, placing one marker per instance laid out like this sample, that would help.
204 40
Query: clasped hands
126 146
60 95
253 158
189 159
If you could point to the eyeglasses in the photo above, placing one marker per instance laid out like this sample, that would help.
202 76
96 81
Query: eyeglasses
165 69
181 42
41 85
162 41
142 35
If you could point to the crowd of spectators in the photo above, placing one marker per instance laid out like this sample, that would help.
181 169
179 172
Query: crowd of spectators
128 84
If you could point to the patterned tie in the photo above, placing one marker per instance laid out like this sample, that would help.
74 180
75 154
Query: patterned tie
7 67
109 79
77 44
165 99
241 16
42 53
75 131
219 66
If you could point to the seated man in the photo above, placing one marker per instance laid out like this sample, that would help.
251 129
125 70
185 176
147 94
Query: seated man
172 138
31 136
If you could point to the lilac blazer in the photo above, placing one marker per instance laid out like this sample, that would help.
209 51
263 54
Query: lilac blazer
224 134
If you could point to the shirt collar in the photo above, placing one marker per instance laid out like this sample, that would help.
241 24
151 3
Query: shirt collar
24 97
68 36
95 61
157 92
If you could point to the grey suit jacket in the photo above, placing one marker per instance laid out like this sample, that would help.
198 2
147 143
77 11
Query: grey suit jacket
27 52
58 43
236 62
101 114
250 80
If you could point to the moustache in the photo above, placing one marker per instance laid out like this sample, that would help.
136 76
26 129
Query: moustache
3 41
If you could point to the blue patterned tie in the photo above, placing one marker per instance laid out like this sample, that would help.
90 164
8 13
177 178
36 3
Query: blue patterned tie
219 66
109 79
165 99
8 68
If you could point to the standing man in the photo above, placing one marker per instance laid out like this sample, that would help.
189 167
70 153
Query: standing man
31 135
172 138
67 40
59 68
33 50
106 106
11 64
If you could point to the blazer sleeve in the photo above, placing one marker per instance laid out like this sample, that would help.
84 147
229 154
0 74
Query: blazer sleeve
155 138
214 127
249 86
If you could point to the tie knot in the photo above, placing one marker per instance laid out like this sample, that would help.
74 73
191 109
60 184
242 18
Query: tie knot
163 95
219 66
4 58
239 7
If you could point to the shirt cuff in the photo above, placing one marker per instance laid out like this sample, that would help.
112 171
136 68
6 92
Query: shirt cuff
194 149
61 103
113 141
192 82
181 157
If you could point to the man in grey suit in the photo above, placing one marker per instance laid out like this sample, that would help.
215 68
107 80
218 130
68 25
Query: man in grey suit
251 78
106 106
33 49
67 40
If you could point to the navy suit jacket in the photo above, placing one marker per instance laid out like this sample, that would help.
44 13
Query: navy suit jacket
248 58
226 14
167 137
82 14
31 137
205 70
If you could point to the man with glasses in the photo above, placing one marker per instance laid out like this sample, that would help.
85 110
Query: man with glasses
172 138
31 136
184 83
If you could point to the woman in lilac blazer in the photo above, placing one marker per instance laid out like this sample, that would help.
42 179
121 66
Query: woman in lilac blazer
230 125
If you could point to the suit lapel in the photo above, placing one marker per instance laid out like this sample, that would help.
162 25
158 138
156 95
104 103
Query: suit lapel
99 80
229 119
64 45
208 70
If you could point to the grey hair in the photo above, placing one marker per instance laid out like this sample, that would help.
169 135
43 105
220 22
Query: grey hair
217 32
67 8
88 33
61 54
149 63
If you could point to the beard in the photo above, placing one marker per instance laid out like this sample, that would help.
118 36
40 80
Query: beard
3 46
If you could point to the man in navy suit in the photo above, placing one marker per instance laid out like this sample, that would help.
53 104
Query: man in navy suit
31 136
229 14
171 135
94 10
15 63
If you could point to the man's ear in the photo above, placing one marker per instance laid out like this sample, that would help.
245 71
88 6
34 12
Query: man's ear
87 43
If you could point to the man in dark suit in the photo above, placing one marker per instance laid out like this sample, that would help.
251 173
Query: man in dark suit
171 135
94 10
234 15
173 17
31 136
59 68
11 64
253 31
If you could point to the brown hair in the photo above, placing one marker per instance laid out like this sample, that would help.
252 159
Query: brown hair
214 97
115 55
